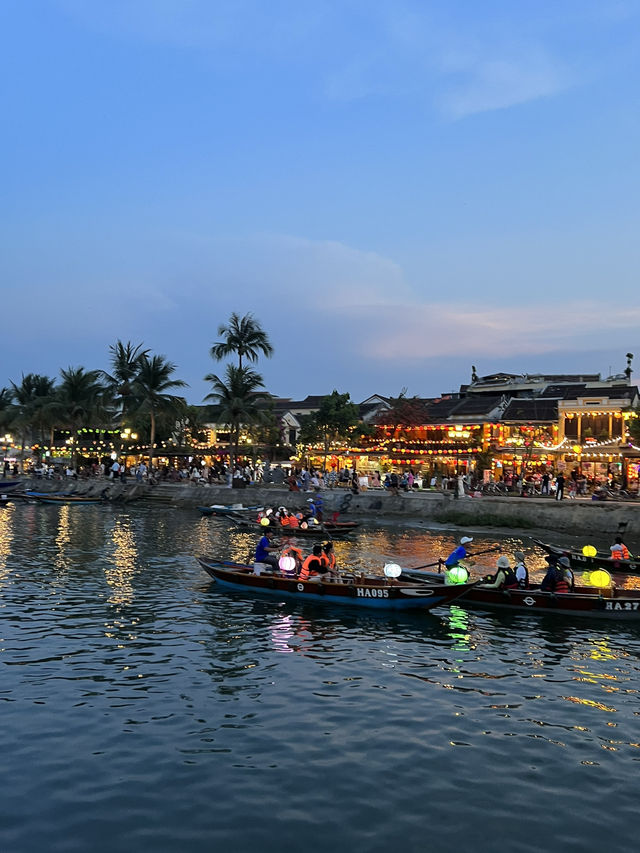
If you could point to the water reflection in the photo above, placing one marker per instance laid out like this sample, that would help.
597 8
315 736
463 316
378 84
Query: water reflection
119 575
6 538
63 538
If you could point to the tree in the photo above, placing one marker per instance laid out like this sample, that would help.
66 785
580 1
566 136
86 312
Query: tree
335 419
149 391
237 401
81 399
242 335
33 405
126 360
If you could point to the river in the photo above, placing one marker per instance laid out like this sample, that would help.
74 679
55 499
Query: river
145 710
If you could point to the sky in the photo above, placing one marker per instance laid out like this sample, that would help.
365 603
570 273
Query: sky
395 189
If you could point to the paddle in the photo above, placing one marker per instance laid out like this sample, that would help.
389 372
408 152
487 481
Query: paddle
438 562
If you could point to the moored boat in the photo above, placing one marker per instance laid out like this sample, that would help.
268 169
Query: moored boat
9 485
228 509
313 531
611 602
600 560
54 498
354 590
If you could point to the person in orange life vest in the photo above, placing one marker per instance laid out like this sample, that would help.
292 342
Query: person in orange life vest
329 558
285 518
619 551
312 568
504 578
294 521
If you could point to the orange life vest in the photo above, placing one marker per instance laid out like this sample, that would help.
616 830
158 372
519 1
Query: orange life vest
625 552
285 521
293 521
328 560
310 567
562 585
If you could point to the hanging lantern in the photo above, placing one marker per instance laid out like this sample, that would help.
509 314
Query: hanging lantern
600 578
287 565
589 551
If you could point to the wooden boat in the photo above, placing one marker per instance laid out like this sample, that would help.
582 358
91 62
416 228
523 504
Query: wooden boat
602 559
313 531
355 590
54 498
9 485
611 603
228 509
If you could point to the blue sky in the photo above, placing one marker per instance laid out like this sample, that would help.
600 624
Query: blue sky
397 190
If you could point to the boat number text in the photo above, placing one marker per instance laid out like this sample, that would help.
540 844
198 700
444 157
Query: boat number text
372 593
621 605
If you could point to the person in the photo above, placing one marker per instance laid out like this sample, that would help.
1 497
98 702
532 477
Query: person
313 568
560 486
115 469
565 579
545 483
265 548
459 553
329 558
504 577
521 571
619 550
548 583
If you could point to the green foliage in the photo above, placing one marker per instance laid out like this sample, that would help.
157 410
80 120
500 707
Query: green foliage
244 336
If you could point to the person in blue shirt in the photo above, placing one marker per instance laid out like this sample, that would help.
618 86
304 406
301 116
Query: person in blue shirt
263 549
459 554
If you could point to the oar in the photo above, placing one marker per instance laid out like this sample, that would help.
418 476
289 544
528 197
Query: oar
438 562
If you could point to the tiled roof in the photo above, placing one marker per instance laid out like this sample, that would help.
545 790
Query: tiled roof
537 409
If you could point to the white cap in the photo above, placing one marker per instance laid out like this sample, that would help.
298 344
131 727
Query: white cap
503 562
466 539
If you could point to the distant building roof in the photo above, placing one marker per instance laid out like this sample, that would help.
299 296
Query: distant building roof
537 409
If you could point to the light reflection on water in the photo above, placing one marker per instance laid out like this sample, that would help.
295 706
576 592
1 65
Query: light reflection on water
145 709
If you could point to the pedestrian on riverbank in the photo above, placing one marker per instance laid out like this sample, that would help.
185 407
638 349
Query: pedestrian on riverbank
560 486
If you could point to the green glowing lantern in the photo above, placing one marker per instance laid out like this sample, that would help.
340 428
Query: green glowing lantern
458 574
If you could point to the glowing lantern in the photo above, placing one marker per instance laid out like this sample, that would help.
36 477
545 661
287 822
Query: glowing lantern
304 525
577 448
589 551
458 574
600 578
264 522
392 570
287 565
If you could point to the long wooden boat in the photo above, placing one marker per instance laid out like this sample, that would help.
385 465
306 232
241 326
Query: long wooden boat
358 591
54 498
228 509
313 531
9 485
602 559
590 601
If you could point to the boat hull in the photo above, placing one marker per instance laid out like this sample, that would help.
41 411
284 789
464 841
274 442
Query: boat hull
602 560
376 594
618 604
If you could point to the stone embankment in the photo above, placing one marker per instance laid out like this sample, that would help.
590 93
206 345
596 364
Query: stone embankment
569 516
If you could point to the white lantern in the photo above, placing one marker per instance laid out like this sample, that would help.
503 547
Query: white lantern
287 565
392 570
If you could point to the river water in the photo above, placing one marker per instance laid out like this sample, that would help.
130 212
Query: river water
145 710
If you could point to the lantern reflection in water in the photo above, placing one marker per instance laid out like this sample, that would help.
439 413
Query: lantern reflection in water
124 557
63 538
6 538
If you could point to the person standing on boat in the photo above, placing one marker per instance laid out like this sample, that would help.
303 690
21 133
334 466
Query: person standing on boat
265 548
521 571
459 554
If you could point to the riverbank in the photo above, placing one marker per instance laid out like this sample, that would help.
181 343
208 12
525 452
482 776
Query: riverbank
511 513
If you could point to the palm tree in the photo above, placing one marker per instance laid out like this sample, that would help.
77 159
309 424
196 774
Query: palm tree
81 400
33 399
125 364
237 401
149 391
243 335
